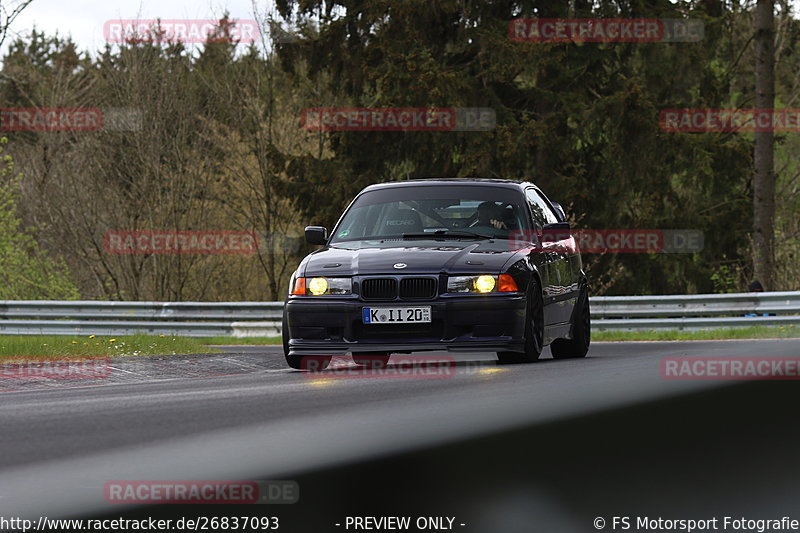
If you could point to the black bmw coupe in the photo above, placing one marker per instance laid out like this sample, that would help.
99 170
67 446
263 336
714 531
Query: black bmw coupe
440 264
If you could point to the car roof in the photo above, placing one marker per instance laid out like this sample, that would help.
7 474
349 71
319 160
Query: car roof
417 182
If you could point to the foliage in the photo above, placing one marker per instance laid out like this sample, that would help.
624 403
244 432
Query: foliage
220 146
579 120
26 271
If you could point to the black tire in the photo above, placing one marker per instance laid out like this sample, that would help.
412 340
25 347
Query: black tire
372 360
578 345
311 363
534 330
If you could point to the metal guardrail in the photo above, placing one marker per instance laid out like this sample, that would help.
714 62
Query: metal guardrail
157 311
695 312
92 317
257 319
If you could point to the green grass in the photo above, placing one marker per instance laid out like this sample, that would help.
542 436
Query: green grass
54 347
755 332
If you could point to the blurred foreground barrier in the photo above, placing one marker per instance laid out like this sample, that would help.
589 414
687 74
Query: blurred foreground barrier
263 319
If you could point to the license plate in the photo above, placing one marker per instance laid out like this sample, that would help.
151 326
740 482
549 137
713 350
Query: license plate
396 315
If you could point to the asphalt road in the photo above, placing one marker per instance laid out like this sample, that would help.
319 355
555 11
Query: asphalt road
242 414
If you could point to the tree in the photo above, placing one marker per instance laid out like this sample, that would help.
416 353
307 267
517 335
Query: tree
581 120
763 152
201 158
26 272
8 12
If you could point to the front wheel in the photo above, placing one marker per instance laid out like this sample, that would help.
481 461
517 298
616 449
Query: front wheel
312 363
578 345
534 330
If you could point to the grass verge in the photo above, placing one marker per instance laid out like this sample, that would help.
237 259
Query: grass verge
755 332
55 347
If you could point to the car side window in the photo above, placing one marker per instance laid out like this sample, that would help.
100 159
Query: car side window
542 213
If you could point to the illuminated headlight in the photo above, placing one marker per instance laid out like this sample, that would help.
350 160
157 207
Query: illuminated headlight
481 284
317 286
484 283
322 286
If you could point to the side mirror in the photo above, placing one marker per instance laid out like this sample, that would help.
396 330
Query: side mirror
556 232
556 226
562 217
316 235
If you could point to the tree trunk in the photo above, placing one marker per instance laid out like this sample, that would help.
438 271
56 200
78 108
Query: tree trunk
764 177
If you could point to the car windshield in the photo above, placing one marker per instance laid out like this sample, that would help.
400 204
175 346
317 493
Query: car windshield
451 211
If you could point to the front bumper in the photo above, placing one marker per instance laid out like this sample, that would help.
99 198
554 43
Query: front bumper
333 326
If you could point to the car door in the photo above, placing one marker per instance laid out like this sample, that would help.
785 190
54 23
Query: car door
557 276
542 254
570 265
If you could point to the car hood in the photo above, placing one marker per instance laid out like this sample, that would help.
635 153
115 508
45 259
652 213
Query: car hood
428 257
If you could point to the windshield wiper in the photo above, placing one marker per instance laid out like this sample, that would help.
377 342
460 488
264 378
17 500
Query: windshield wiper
456 234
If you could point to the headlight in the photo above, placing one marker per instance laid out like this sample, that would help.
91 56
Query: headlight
320 286
484 283
317 286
